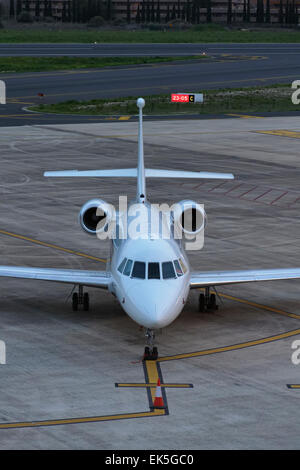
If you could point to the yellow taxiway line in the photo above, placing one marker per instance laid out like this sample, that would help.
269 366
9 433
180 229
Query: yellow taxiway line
92 419
151 376
261 306
151 385
282 133
245 116
234 347
50 245
124 118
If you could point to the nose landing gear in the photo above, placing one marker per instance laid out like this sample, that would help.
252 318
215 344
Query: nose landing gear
207 301
80 298
151 352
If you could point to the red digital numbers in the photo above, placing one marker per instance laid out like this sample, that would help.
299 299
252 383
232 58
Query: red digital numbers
179 98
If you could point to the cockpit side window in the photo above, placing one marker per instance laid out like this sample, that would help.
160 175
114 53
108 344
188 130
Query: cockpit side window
153 271
177 268
183 266
139 270
168 270
128 266
121 267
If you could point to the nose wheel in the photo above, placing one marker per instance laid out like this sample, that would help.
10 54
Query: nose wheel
207 301
80 298
151 352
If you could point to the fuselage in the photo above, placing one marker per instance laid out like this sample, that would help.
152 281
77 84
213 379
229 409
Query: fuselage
151 274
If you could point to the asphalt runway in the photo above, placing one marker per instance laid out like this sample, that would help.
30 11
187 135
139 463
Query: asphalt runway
231 65
75 380
132 49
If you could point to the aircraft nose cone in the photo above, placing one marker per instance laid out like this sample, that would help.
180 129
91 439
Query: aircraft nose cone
156 307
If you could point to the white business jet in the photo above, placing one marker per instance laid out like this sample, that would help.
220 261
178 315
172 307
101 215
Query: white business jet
149 275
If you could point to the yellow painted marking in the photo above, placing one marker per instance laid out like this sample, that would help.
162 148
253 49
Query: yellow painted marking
152 375
282 133
49 245
17 115
260 306
93 419
245 116
243 345
247 344
15 101
150 385
124 118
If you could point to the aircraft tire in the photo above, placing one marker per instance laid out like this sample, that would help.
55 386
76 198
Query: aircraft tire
201 303
86 302
75 302
154 353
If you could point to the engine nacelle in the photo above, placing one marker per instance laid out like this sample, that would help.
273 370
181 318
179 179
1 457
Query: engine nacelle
190 217
95 216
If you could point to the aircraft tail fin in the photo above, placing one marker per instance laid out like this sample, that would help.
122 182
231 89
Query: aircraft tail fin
141 177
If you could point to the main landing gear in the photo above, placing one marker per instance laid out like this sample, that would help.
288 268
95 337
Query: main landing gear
80 298
151 352
207 301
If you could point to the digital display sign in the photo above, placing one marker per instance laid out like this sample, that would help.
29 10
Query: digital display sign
186 98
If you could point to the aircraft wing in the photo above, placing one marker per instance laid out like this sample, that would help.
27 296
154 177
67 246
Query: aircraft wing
218 278
69 276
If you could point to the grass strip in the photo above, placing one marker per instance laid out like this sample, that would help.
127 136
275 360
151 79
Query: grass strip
198 34
249 100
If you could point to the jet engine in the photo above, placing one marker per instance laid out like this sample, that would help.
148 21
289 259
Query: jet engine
190 217
95 216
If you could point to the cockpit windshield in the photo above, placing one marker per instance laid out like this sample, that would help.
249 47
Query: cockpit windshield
152 270
139 270
128 266
177 267
168 271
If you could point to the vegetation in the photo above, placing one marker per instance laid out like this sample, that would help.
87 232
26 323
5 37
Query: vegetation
150 11
168 34
224 101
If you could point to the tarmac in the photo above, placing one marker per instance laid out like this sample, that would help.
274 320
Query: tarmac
76 380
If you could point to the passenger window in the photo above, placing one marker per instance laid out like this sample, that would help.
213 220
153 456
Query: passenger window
139 270
128 266
183 266
153 271
177 267
121 267
168 270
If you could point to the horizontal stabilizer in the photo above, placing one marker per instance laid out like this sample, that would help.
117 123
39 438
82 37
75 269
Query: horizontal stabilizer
153 173
122 172
132 173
